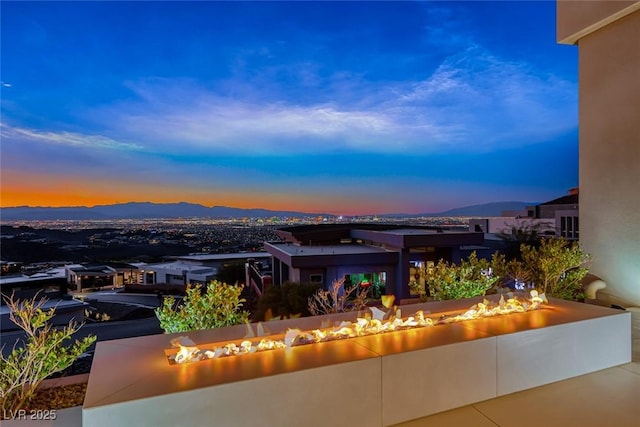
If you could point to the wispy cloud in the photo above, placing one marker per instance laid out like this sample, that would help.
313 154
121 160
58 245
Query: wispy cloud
63 138
494 103
473 101
5 84
236 126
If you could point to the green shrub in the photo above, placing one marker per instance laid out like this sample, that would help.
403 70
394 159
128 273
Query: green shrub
284 301
219 305
473 277
556 268
45 351
509 272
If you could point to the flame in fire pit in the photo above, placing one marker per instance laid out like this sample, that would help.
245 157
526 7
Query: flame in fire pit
188 352
373 323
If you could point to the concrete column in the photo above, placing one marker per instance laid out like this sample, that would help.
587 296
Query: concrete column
401 285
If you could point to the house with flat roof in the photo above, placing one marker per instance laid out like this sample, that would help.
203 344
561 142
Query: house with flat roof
218 261
101 276
176 273
557 217
50 283
380 254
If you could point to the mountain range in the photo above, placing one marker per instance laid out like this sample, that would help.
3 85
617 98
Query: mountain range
141 210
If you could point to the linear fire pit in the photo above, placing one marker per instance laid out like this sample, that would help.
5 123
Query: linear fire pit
376 380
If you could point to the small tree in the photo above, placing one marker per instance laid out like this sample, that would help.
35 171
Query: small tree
556 267
45 352
218 306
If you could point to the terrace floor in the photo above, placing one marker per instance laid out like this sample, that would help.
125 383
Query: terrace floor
605 398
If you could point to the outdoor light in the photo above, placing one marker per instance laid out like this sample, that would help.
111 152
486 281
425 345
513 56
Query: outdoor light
375 322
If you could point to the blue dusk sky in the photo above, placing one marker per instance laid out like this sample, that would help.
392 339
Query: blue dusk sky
338 107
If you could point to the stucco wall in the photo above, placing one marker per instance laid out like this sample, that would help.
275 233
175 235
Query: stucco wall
578 17
609 121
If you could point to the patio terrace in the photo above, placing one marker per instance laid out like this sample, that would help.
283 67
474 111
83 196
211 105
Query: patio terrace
604 397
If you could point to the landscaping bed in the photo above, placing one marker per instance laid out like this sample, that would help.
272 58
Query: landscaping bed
60 397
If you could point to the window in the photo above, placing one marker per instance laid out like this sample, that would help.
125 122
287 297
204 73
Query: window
373 282
569 226
150 277
379 278
316 278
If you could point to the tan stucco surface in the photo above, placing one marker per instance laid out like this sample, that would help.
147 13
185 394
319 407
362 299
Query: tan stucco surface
576 18
609 121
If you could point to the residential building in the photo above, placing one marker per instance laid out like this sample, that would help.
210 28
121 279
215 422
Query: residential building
511 225
381 254
82 277
218 261
564 213
51 283
557 217
176 273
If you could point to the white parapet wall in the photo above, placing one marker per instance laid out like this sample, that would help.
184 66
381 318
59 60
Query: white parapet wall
377 380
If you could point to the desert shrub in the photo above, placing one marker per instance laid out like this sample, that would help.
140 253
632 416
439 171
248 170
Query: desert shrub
472 277
337 299
285 301
216 306
46 350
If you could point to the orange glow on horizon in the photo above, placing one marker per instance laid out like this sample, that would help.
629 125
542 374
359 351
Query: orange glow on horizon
20 188
32 189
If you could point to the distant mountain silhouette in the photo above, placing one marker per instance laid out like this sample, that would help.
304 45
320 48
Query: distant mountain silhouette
487 209
140 210
484 210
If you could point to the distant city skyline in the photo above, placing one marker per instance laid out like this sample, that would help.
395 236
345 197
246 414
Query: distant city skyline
339 107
